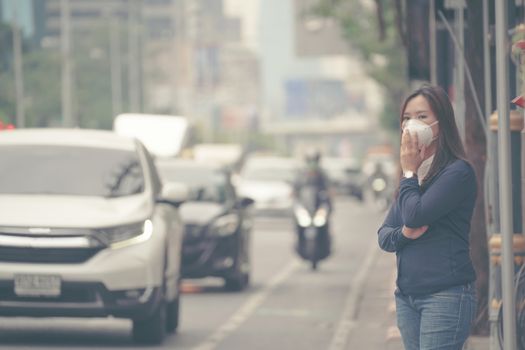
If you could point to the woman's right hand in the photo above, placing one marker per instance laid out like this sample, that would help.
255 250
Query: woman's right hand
413 233
411 156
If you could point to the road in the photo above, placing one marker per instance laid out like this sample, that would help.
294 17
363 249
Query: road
287 306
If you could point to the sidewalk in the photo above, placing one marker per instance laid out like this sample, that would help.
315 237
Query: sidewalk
375 321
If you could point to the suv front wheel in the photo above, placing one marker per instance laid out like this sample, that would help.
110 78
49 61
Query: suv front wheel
152 329
172 314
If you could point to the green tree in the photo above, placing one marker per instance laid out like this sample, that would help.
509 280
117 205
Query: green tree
92 79
41 82
7 107
376 38
42 88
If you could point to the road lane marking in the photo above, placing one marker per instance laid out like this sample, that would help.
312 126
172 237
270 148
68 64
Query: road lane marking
247 309
347 320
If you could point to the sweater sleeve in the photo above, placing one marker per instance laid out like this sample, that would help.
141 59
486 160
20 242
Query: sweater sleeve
390 237
443 195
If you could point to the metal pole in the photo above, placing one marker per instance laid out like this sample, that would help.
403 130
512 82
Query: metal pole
116 73
67 84
505 179
490 190
19 78
460 88
177 61
432 34
133 57
142 56
486 60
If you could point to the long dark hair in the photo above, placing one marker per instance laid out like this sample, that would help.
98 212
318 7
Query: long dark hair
449 146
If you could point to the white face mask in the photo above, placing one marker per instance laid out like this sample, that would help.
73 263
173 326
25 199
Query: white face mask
424 132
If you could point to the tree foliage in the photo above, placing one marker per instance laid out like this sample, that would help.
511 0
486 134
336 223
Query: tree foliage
43 78
373 32
92 79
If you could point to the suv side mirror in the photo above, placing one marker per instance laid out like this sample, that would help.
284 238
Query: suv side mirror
174 193
245 202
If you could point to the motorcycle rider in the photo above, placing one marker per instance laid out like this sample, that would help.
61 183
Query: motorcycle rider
380 185
313 176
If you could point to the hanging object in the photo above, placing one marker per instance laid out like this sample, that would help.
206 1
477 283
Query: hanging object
519 101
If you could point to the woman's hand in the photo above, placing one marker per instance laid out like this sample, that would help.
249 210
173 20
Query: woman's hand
414 233
411 156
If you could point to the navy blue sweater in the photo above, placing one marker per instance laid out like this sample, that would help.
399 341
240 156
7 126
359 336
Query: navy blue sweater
440 258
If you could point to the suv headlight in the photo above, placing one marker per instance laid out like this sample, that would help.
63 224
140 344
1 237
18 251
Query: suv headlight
126 235
225 225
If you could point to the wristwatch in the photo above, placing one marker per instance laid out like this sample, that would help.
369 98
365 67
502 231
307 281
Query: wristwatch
409 174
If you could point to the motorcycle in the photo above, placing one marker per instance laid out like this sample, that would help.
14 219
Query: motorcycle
381 194
311 214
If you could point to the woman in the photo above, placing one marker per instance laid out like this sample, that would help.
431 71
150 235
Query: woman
428 227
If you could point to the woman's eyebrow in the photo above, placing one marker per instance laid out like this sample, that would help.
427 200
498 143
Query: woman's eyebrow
416 112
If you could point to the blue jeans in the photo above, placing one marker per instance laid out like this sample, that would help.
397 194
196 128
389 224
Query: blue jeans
436 321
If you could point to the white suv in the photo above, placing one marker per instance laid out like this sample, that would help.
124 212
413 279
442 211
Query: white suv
87 230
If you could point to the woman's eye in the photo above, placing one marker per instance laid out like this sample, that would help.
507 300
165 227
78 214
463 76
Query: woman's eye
421 116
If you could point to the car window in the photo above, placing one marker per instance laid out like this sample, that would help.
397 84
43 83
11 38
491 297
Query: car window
206 185
63 170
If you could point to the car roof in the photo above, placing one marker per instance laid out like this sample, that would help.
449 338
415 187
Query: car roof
67 137
188 163
276 161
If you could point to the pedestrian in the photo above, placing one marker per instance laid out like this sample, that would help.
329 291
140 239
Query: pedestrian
428 226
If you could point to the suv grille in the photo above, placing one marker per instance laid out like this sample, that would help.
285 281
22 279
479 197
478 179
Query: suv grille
47 255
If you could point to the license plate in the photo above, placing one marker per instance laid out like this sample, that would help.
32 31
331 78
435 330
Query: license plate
310 233
37 285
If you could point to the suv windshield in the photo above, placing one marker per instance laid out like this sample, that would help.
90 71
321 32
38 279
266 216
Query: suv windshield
64 170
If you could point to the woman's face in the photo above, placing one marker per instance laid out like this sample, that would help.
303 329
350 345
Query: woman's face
418 108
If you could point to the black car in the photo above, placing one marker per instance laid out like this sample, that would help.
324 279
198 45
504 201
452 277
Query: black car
345 176
217 222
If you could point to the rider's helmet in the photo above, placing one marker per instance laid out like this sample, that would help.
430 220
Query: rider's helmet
312 157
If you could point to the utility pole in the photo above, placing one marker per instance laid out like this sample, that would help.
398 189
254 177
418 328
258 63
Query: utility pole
176 76
115 62
19 77
67 81
505 178
133 57
460 88
432 42
490 177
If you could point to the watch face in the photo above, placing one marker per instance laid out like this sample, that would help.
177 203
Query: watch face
409 174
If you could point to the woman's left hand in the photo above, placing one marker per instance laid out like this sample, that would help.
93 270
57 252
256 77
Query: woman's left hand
411 156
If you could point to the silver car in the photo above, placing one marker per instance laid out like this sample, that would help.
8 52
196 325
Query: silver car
269 181
87 230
